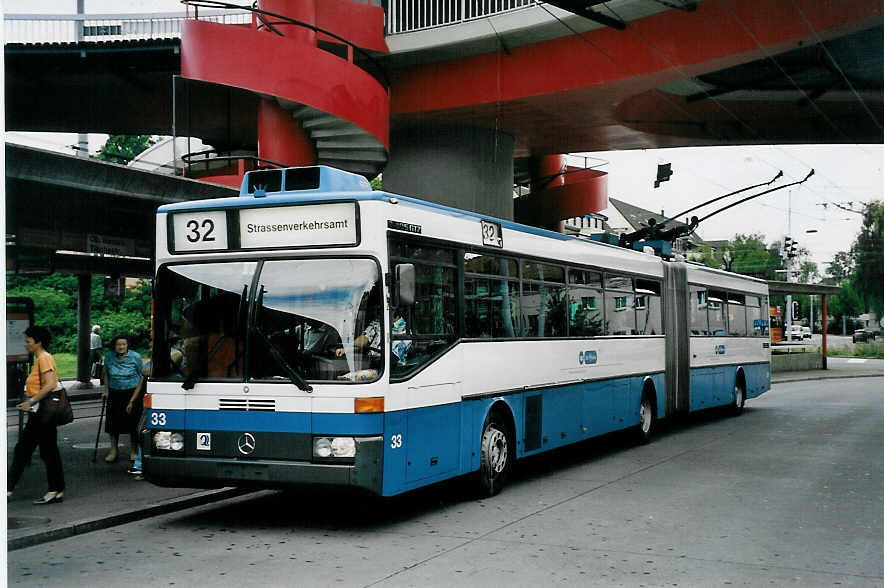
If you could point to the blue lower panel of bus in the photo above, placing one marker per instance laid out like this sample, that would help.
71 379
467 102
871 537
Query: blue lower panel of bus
427 445
714 386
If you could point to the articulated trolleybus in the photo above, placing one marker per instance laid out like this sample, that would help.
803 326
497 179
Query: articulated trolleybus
315 332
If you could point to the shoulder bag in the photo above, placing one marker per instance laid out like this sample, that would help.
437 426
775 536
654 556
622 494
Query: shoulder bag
55 408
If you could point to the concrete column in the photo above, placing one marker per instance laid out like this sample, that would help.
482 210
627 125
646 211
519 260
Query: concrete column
84 303
461 166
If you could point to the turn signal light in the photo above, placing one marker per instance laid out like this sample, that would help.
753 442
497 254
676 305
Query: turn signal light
373 404
148 400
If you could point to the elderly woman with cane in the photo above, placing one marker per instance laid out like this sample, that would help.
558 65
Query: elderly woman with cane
122 369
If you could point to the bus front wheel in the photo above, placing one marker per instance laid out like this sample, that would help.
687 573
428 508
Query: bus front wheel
495 458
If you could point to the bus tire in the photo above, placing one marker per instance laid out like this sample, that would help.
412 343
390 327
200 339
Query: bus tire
496 453
647 419
736 408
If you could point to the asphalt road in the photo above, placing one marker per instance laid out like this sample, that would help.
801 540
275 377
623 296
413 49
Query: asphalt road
789 494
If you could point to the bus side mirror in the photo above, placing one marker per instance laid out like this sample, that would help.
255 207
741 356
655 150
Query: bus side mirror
404 284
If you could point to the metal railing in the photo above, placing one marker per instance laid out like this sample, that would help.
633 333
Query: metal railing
405 16
71 28
215 162
402 16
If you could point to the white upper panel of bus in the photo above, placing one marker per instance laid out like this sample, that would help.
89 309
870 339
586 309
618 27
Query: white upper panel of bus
707 276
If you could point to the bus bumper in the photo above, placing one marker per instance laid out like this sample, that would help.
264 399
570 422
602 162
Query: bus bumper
365 472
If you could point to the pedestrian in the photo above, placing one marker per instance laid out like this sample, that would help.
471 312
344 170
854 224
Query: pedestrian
95 351
42 380
135 468
122 371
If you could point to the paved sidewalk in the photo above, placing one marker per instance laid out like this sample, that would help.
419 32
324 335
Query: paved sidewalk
838 367
97 495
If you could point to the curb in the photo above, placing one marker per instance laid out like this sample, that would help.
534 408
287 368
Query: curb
89 525
826 377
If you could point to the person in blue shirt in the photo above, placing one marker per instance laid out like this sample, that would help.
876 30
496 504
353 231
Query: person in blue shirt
122 371
135 468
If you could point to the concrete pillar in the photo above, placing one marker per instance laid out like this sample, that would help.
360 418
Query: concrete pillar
84 303
461 166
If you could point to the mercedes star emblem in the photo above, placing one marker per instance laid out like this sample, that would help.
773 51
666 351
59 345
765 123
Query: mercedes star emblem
246 443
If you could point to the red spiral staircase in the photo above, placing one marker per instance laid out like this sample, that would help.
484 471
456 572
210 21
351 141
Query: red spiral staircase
310 63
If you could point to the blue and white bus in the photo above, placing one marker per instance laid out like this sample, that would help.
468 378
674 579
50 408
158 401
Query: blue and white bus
313 331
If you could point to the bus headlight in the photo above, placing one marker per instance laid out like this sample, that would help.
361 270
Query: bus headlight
168 441
332 447
162 439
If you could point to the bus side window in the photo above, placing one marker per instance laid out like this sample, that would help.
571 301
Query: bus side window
697 301
619 305
428 326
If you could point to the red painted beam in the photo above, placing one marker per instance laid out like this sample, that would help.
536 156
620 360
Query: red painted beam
656 50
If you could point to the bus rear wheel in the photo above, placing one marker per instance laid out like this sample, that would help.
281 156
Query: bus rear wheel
739 399
646 420
495 457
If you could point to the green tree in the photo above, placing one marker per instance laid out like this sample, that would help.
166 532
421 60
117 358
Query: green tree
124 148
747 255
848 303
840 268
55 307
868 253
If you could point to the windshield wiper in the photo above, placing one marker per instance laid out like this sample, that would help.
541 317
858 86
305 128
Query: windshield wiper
293 375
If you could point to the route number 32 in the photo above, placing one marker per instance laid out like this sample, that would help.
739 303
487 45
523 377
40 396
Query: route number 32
204 230
396 441
200 232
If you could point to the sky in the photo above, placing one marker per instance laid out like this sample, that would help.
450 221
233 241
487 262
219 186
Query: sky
846 175
849 175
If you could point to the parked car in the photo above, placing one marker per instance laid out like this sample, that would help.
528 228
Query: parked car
795 333
863 335
805 333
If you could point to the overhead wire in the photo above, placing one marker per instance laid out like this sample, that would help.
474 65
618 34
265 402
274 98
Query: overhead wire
838 67
721 106
629 71
718 103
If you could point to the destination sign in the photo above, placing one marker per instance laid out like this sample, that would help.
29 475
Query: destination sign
298 226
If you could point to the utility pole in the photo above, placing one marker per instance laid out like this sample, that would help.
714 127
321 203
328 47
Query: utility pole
82 138
787 251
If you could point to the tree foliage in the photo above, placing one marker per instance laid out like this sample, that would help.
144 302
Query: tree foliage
745 254
124 148
55 307
868 254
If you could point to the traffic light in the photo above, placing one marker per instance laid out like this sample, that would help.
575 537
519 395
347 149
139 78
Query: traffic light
790 247
795 309
664 172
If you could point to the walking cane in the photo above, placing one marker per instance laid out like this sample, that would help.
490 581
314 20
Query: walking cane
98 433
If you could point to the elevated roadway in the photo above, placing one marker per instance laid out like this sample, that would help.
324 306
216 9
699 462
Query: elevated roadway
476 98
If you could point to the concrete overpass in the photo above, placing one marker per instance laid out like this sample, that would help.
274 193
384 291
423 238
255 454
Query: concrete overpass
502 92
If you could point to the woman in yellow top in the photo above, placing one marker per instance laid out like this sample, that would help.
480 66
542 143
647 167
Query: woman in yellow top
42 380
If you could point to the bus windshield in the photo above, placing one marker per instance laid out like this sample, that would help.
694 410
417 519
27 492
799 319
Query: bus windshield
310 319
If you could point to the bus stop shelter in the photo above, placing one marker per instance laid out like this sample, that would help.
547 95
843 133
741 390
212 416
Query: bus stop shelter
792 288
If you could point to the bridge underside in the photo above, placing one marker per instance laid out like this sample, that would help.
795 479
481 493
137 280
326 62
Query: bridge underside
736 72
